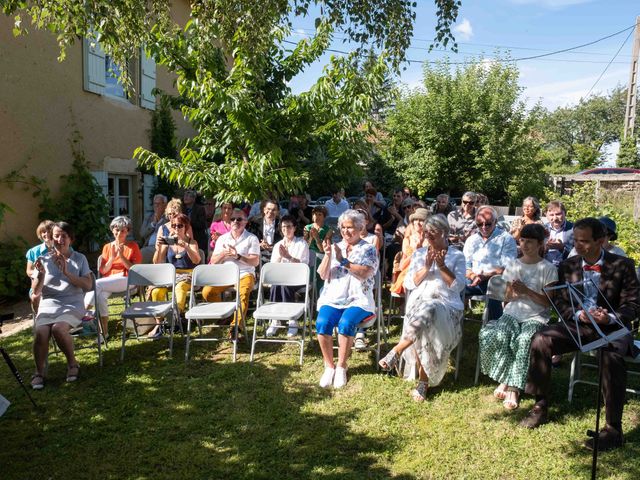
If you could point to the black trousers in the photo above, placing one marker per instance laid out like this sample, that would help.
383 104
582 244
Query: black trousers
556 340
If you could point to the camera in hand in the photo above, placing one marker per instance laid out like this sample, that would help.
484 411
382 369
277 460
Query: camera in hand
169 240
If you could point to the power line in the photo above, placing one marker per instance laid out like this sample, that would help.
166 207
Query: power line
605 68
301 31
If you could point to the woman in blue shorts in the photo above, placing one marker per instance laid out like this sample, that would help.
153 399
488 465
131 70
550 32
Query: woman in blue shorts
348 269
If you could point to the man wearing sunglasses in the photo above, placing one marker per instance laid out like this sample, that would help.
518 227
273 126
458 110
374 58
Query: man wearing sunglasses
462 221
486 253
241 247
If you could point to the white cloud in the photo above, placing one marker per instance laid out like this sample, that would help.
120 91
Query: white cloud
464 29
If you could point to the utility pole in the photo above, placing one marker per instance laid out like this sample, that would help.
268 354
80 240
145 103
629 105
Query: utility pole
632 91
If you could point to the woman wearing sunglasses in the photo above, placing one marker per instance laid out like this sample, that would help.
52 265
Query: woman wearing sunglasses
181 250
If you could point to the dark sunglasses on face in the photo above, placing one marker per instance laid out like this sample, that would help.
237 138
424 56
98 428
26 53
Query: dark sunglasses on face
484 224
467 202
237 219
177 225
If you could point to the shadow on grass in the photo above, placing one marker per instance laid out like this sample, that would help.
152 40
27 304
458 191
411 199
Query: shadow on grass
153 417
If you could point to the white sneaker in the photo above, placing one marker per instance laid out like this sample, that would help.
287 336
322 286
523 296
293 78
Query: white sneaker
327 377
340 377
293 329
360 343
272 331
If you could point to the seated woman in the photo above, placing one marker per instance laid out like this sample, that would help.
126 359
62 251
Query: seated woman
530 215
222 226
411 242
43 232
432 324
174 208
116 260
348 269
63 277
504 344
179 249
290 249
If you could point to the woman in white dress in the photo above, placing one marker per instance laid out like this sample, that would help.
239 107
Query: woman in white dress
290 249
63 277
432 324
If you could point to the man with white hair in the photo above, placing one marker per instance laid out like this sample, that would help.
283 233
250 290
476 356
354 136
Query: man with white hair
487 252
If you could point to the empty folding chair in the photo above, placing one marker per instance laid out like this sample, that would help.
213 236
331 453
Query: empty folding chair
282 274
150 275
219 275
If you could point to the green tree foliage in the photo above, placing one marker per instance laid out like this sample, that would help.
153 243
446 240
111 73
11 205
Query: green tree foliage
234 64
574 138
466 129
585 201
628 154
80 202
163 142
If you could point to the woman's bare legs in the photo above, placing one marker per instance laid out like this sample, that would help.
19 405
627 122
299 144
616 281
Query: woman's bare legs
326 347
41 347
64 340
344 349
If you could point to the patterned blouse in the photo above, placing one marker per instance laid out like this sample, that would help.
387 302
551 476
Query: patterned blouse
343 289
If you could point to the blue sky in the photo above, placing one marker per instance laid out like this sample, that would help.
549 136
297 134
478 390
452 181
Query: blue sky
526 28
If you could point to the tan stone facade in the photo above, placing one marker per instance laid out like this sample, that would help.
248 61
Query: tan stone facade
43 101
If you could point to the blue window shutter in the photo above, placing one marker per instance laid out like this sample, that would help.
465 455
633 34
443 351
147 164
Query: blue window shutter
147 81
93 66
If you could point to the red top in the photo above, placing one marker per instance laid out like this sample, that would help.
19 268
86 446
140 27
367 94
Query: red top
131 252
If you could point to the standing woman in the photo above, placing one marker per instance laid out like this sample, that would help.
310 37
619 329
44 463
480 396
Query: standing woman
432 323
63 277
116 260
348 269
505 343
179 249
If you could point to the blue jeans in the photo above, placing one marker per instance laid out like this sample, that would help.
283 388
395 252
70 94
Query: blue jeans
494 307
346 319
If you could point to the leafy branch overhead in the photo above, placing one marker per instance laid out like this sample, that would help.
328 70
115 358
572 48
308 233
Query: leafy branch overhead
234 61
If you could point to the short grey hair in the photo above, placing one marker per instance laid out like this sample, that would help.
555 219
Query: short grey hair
438 222
442 195
355 216
121 222
471 196
161 197
487 208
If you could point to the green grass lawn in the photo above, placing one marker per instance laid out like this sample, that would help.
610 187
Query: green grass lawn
154 417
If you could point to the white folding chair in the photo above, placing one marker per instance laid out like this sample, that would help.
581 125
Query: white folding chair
575 376
495 291
281 274
219 275
150 275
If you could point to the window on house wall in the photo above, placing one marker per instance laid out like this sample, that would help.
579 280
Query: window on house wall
119 195
101 73
112 86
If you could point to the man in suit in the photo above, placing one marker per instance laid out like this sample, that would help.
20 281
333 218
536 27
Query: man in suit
267 227
616 279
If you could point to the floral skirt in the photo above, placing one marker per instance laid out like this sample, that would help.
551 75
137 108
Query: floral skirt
504 349
435 330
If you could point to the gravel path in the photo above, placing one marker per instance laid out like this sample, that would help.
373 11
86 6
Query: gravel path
21 321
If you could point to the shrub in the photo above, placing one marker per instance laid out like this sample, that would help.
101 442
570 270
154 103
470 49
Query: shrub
13 280
586 201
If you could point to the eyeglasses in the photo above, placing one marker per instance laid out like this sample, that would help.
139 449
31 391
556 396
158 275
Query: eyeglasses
484 224
236 219
177 225
467 202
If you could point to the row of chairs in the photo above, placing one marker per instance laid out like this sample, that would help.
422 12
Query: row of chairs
205 315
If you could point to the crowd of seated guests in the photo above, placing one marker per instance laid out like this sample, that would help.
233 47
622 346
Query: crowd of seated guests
436 257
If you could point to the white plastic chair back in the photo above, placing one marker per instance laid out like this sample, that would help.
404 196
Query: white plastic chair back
218 275
288 274
497 288
156 275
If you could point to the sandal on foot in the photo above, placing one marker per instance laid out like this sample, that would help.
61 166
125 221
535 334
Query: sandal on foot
390 361
512 400
500 392
73 372
419 394
37 381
